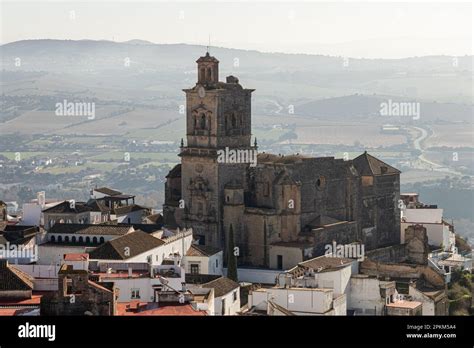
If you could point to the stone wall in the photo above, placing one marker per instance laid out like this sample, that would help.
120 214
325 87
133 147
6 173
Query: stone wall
402 271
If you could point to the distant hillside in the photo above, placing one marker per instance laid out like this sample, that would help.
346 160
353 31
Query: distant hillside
82 53
142 71
356 107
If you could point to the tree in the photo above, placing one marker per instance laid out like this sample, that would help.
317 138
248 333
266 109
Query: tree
231 257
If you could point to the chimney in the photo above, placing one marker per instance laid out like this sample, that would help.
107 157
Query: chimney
41 198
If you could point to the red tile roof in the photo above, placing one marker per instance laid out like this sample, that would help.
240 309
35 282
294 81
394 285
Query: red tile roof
34 300
76 257
152 308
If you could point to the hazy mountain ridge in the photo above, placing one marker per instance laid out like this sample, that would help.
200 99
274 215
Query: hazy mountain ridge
166 56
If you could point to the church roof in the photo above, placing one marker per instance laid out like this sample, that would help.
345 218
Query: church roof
289 159
369 165
175 172
207 58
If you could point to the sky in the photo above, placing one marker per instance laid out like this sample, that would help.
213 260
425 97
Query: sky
367 29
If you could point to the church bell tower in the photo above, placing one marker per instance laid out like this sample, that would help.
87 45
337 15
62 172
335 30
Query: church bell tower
218 116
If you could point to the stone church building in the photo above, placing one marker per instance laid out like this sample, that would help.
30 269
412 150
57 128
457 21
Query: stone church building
285 209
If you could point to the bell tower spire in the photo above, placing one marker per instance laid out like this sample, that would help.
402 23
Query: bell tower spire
208 69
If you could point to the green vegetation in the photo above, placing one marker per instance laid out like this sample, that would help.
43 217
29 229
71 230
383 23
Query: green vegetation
460 293
23 155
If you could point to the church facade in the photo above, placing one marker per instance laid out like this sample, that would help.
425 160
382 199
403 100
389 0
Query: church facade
281 209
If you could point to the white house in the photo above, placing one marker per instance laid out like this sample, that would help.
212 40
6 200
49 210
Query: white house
76 239
439 232
435 302
139 283
369 295
321 272
130 214
138 246
299 301
226 295
201 259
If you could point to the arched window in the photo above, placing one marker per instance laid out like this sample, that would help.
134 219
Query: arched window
202 74
66 239
94 240
203 121
81 240
73 239
60 239
53 239
102 240
209 74
88 240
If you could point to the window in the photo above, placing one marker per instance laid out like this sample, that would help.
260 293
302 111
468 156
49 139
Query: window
74 239
194 268
279 261
266 189
81 240
66 239
88 239
227 198
53 239
60 239
321 183
223 307
102 240
135 294
234 296
94 240
217 263
367 180
200 208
